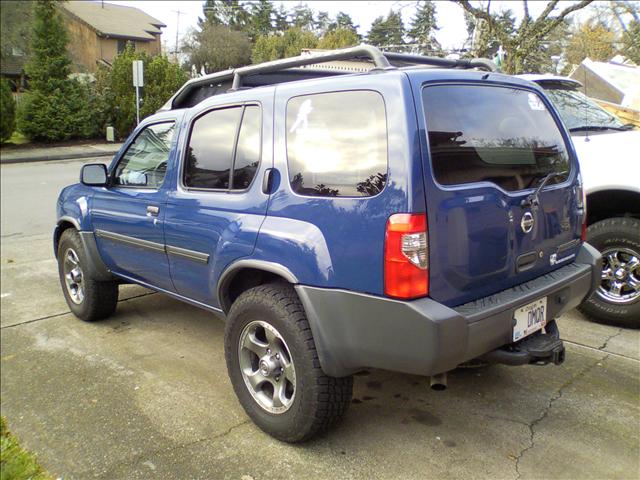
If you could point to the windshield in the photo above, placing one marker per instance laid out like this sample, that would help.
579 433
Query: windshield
578 111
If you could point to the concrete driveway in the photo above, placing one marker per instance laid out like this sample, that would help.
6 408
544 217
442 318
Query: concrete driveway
145 394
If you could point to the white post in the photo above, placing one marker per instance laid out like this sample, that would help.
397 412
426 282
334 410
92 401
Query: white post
137 105
138 81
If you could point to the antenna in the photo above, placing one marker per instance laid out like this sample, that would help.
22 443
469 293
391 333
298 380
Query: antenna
178 13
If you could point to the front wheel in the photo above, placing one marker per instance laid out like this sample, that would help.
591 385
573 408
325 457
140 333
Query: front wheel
617 299
87 298
274 368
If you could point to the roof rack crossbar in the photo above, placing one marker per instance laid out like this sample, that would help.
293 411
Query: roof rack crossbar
481 63
376 56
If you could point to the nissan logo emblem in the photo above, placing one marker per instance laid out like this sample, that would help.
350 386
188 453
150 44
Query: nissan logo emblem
527 222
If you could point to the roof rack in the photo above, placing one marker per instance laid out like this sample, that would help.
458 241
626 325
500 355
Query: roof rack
381 61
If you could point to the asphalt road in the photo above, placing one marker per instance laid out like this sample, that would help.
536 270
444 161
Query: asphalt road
145 394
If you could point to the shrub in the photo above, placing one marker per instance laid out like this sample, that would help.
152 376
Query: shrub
116 103
7 111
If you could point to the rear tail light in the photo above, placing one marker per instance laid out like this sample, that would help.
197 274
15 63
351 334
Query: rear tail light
406 256
582 205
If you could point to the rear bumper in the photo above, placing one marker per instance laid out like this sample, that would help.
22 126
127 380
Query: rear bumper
353 331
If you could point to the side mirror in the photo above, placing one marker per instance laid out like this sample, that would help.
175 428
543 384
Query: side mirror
94 175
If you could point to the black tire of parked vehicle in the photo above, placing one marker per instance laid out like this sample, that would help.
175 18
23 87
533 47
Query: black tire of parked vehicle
99 299
319 400
613 233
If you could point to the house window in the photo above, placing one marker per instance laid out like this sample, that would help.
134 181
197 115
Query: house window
122 44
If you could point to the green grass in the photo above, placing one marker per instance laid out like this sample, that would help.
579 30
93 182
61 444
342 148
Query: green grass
15 463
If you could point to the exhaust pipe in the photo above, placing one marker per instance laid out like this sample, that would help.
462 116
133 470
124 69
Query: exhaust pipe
439 381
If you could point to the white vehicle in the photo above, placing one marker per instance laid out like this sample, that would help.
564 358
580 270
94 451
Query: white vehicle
609 156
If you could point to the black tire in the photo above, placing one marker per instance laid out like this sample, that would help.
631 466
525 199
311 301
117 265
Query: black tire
614 234
319 400
99 299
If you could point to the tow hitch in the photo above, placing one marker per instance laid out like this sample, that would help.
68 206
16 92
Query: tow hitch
538 349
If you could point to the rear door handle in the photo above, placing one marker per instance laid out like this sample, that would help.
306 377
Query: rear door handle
267 181
152 211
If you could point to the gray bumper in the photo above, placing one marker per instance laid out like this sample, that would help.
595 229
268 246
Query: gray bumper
353 331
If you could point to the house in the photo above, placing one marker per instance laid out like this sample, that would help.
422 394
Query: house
12 69
98 31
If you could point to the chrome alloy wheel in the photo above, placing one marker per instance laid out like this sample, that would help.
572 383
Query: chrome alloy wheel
73 277
267 367
620 282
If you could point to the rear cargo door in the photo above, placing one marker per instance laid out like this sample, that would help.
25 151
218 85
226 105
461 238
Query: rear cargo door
487 149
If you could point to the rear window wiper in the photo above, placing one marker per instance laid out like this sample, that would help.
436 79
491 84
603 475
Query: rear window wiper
600 128
532 198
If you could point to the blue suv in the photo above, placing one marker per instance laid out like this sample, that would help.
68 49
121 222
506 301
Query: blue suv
409 218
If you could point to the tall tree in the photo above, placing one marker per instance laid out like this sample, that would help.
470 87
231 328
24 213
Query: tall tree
591 40
302 17
224 12
324 23
385 32
631 42
529 35
262 14
217 47
423 27
281 19
344 20
55 107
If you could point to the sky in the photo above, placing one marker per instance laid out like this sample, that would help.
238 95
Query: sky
449 16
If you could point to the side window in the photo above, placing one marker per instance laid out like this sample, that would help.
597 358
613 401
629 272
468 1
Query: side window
337 144
214 159
144 164
248 149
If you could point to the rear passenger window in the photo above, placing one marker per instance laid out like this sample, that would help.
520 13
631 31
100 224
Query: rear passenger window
219 157
496 134
337 144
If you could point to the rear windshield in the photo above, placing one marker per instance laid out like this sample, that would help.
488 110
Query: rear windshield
496 134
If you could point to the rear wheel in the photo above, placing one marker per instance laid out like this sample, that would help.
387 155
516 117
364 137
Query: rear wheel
87 298
274 368
617 299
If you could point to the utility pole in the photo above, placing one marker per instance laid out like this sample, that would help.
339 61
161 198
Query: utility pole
178 13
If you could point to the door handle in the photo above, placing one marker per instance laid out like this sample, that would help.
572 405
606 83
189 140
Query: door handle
267 181
152 211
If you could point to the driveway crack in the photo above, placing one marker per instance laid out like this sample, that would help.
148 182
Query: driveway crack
56 315
555 397
609 338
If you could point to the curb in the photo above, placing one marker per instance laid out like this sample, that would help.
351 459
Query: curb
59 156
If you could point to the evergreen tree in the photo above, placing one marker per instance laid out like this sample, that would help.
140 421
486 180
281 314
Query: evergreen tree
7 111
281 20
323 23
423 27
230 13
387 31
302 17
343 20
55 107
262 14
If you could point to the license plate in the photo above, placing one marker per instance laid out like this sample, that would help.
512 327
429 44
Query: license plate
530 318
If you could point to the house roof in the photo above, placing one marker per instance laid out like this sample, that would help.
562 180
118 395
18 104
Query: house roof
12 65
118 21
